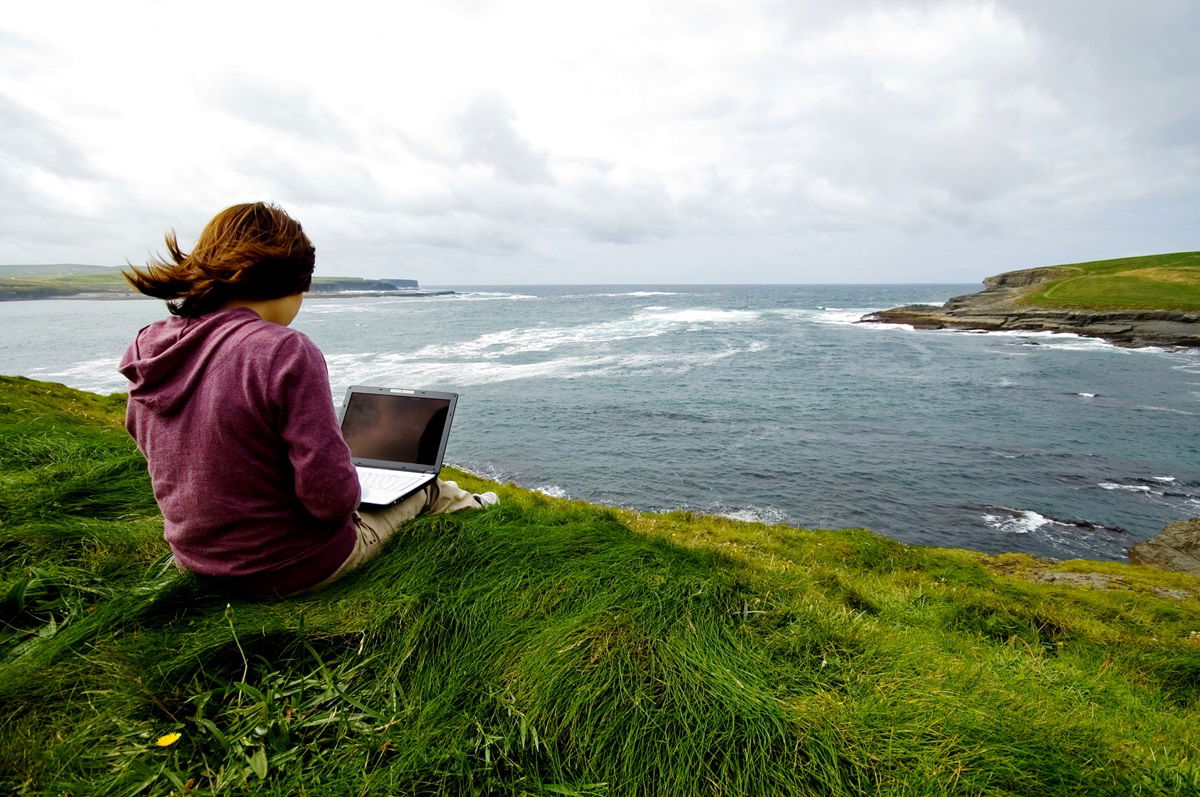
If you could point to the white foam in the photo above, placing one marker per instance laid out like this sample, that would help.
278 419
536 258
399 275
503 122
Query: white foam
766 515
655 307
644 324
551 490
1086 395
368 368
1021 521
96 376
839 316
1133 488
1163 478
635 294
1151 408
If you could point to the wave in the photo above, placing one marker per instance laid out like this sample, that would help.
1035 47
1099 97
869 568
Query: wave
395 369
769 516
551 490
644 324
622 294
1153 408
838 316
1028 521
95 376
1133 488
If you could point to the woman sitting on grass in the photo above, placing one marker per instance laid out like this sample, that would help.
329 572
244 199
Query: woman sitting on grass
234 414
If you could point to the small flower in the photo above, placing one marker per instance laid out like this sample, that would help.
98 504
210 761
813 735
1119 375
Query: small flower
169 739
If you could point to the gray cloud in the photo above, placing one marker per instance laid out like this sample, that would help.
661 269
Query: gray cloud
289 110
486 135
799 131
30 141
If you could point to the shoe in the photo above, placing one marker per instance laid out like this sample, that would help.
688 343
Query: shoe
487 499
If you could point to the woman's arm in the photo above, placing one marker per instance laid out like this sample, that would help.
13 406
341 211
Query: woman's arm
325 480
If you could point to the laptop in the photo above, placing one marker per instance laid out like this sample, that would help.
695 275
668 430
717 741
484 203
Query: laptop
397 438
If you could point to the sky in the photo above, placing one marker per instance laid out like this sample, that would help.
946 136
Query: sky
473 142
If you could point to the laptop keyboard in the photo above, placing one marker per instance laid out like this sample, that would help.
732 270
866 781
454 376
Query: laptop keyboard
377 479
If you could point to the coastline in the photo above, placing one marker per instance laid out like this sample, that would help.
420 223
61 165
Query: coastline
126 295
1008 302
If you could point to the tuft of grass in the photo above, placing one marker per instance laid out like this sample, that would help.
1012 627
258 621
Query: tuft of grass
549 647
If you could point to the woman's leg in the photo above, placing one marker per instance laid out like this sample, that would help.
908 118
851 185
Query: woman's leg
376 526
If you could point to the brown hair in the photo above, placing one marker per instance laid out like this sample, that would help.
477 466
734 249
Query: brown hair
251 251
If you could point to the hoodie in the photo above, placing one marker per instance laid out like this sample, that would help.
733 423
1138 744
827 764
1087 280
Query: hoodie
235 418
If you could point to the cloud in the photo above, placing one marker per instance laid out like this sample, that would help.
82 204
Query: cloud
486 135
30 142
482 132
283 109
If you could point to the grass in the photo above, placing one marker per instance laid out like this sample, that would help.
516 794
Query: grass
1153 282
547 647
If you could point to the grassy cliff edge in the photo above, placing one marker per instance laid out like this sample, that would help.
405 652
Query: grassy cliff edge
552 647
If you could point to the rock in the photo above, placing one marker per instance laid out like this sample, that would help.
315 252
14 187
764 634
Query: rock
1176 548
1025 277
1097 580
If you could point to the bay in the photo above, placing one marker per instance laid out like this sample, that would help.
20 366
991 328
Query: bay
756 402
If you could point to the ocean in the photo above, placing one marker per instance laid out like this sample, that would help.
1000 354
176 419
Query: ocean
763 403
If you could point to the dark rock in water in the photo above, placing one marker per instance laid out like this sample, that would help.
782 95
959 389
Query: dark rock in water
1176 548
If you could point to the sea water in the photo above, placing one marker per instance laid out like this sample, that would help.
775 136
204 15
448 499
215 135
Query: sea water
765 403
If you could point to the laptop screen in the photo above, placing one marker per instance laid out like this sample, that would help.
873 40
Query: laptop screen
394 428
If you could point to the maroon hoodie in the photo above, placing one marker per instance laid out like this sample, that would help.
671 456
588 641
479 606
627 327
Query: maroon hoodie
235 418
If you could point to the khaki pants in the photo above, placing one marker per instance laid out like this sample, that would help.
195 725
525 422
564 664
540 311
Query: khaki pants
376 526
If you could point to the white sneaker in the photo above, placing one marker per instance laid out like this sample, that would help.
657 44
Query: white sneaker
487 499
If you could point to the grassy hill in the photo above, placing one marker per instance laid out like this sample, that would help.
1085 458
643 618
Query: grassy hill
547 647
42 270
1152 282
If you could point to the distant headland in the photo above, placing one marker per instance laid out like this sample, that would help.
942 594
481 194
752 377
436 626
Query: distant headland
80 281
1135 301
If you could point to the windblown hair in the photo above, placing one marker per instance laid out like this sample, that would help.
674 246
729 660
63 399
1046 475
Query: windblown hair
253 251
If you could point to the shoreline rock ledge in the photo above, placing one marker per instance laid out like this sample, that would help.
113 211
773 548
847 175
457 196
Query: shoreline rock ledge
998 307
1177 547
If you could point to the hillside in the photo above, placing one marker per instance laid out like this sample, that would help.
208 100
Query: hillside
72 280
42 270
1134 301
555 648
1155 282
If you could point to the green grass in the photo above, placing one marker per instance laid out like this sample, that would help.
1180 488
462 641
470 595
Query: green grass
555 648
1153 282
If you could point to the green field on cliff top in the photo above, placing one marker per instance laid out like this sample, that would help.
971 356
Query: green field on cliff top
547 647
1152 282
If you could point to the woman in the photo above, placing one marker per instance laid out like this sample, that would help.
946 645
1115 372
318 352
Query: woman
234 414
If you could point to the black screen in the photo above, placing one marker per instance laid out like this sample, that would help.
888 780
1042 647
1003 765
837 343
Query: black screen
395 428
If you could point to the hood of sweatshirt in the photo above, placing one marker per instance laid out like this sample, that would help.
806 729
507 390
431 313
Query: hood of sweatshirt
169 357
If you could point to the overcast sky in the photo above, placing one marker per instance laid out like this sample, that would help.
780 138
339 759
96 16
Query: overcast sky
474 142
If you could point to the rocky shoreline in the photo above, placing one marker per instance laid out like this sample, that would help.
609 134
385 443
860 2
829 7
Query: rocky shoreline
998 308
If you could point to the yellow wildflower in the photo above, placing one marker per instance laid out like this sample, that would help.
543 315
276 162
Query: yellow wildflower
169 739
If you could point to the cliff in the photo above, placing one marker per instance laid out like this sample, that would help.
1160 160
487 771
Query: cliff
1144 301
551 647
